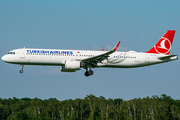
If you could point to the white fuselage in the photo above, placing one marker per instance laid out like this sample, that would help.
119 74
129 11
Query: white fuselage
73 60
57 57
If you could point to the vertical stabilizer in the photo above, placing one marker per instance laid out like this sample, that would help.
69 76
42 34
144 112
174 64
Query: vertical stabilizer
163 46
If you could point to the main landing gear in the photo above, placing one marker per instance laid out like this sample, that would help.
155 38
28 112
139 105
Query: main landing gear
87 73
21 71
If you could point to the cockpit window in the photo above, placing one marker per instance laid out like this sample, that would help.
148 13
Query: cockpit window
11 53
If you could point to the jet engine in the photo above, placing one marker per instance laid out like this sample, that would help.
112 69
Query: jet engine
71 66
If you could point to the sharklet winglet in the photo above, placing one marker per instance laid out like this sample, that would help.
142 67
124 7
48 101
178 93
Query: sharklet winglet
116 47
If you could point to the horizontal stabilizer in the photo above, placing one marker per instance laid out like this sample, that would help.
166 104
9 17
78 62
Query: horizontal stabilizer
169 57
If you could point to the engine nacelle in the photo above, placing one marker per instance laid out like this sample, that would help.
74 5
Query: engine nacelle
70 66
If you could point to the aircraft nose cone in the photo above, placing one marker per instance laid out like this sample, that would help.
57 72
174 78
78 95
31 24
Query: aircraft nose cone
4 58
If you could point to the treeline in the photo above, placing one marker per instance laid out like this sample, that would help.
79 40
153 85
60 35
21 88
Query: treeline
91 108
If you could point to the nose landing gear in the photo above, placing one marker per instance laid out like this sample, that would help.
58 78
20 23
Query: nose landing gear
21 71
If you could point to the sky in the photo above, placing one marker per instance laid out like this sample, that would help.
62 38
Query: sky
88 25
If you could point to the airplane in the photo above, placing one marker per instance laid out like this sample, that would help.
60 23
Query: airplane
73 60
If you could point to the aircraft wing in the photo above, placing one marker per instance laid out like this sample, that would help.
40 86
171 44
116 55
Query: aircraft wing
97 59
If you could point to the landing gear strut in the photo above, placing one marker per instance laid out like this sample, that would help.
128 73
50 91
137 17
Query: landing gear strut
21 71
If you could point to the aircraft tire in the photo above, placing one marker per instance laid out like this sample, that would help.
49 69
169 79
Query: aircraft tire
21 71
90 72
86 73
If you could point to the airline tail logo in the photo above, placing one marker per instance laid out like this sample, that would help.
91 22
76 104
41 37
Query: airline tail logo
163 46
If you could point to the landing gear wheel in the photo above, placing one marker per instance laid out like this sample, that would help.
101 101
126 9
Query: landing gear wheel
21 71
90 72
86 73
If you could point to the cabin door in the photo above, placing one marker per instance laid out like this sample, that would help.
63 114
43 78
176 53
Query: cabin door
147 58
22 54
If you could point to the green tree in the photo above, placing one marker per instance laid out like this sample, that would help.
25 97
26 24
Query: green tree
21 116
4 112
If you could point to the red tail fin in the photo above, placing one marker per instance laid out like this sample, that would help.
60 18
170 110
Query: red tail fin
163 46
